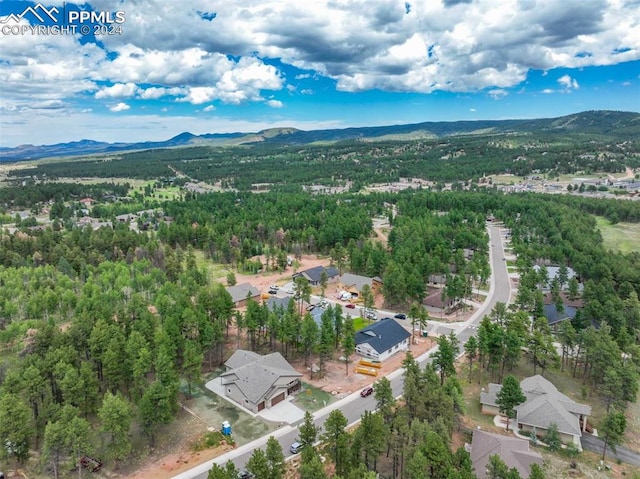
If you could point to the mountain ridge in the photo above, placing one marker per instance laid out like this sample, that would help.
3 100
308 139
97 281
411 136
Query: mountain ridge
608 122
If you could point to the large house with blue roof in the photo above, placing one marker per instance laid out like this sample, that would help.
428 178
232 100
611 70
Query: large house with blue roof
382 340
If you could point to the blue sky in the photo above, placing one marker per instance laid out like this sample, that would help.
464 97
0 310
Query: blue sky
208 66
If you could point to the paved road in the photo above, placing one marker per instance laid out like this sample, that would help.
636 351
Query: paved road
595 444
353 406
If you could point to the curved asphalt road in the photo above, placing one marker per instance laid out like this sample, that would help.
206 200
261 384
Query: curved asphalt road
353 406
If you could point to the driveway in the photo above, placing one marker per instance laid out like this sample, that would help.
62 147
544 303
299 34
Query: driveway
595 444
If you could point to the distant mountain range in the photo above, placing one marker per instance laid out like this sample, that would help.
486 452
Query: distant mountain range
611 123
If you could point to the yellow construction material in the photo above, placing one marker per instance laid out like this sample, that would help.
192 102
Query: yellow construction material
369 364
367 371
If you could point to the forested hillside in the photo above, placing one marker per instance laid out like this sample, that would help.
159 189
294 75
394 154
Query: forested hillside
99 328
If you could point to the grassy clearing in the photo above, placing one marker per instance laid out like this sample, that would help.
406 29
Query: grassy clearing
360 323
622 237
506 179
214 270
311 398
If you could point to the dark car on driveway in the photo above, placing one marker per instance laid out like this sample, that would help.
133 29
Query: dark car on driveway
350 306
400 316
368 391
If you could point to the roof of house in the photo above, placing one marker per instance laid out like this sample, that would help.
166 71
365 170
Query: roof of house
553 271
357 281
314 274
513 451
578 303
554 316
382 335
489 397
255 375
316 314
544 406
239 291
275 302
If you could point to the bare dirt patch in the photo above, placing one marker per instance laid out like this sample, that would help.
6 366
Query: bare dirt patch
263 280
338 383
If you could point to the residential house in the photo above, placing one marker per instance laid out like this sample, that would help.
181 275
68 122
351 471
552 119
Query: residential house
313 275
240 292
570 308
513 451
275 302
353 283
434 302
257 382
125 218
553 273
382 340
87 201
545 405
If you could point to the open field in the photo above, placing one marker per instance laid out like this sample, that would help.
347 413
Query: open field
623 237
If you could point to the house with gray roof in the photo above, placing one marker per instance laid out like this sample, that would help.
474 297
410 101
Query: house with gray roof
353 283
382 340
276 302
545 405
240 292
553 273
513 451
257 382
313 275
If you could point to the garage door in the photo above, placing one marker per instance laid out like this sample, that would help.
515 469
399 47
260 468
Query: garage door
261 406
277 399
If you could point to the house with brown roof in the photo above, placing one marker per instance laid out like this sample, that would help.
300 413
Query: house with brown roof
257 382
545 405
513 451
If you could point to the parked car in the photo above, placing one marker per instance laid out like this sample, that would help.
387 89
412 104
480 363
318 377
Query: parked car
274 287
295 448
310 307
371 315
350 306
244 474
324 303
400 316
368 391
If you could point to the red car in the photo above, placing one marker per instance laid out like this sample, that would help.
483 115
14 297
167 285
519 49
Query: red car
368 391
350 306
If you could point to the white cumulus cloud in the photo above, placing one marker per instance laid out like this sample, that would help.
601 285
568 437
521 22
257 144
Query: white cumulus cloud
274 103
119 90
119 107
568 83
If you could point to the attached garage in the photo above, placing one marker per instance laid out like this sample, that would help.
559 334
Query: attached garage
277 399
261 406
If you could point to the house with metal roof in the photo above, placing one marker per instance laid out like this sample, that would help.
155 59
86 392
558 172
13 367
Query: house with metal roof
513 451
257 382
313 275
382 340
240 292
545 405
